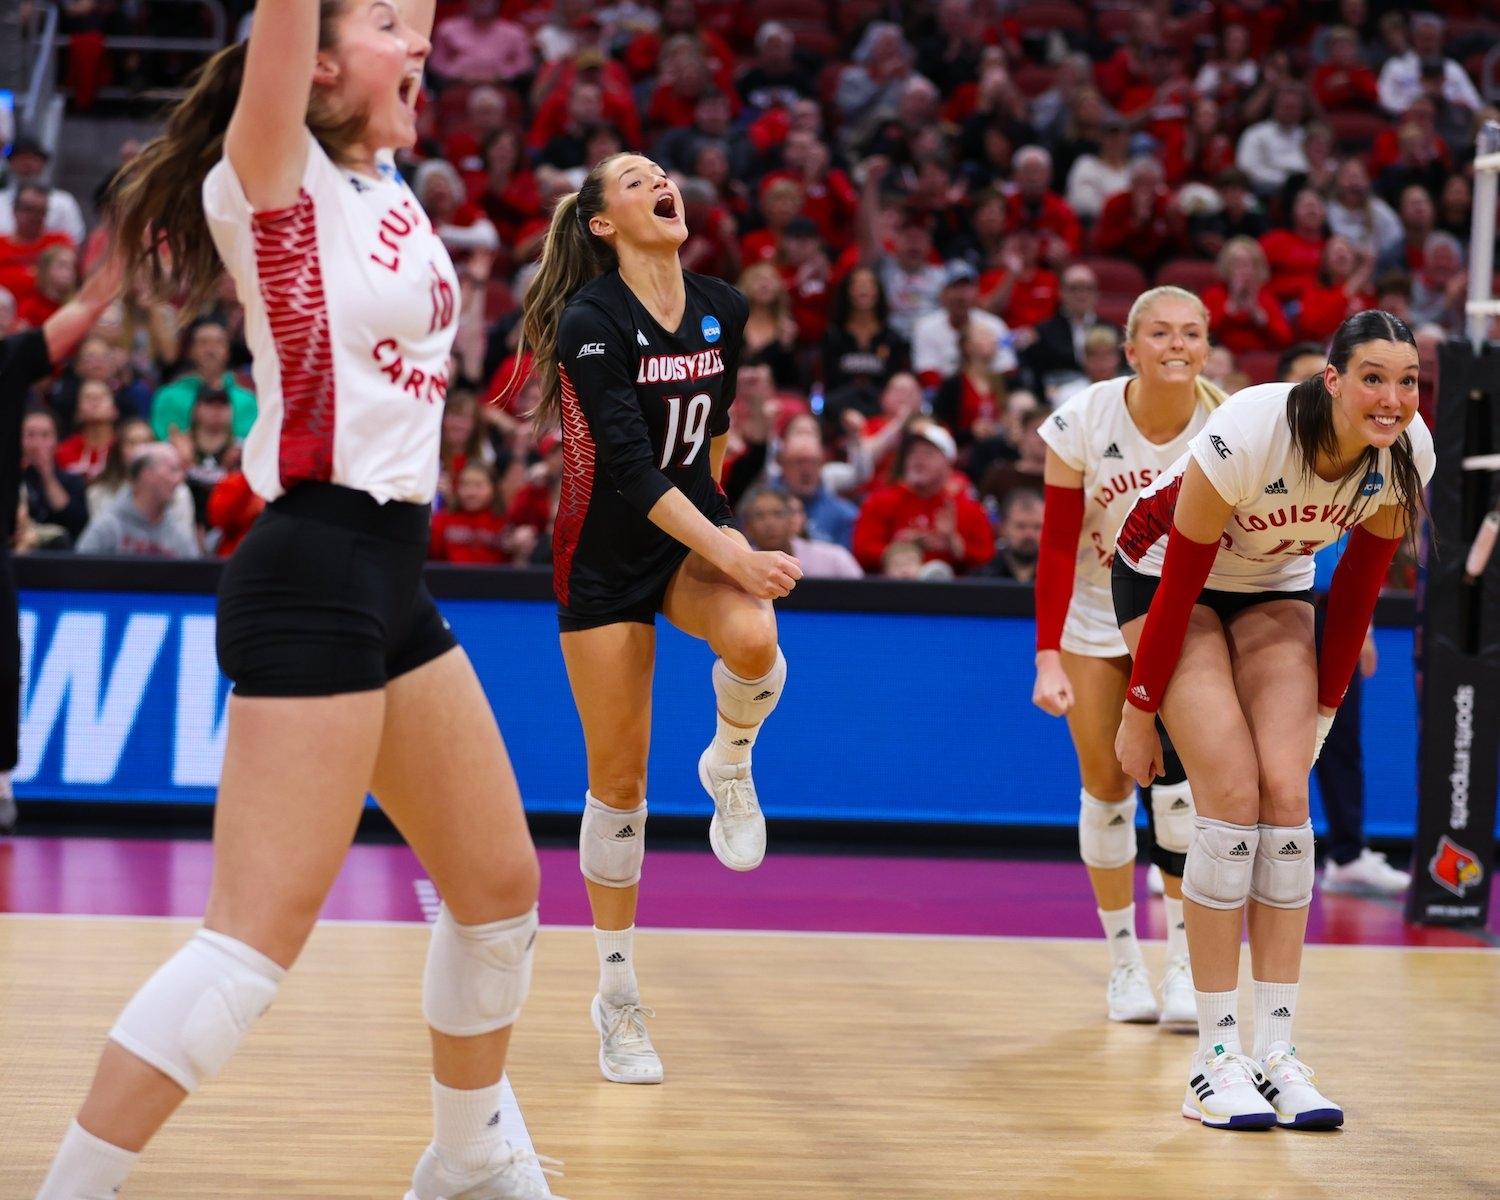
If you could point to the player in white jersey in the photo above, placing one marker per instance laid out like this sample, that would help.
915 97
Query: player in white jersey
1276 473
346 678
1103 446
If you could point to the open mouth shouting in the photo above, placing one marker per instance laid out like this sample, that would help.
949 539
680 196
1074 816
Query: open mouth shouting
666 206
410 90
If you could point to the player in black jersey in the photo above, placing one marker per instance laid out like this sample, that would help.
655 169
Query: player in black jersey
637 360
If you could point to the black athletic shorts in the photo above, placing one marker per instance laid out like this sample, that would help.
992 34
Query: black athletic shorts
325 596
1133 591
642 610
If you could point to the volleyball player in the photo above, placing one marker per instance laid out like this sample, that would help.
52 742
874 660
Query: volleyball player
638 360
346 679
1213 587
1103 446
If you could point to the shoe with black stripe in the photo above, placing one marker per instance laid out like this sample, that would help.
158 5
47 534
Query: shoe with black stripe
1287 1084
1222 1093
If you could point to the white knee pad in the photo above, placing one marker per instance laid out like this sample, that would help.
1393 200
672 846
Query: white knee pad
1172 813
612 843
477 976
189 1018
1284 868
1218 863
749 701
1106 832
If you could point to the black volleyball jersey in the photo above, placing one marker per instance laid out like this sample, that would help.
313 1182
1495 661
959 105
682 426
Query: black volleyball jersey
640 405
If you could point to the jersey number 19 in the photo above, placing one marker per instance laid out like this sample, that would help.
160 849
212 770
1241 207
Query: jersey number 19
686 427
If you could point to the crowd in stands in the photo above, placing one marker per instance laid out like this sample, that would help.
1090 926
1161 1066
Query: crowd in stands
939 212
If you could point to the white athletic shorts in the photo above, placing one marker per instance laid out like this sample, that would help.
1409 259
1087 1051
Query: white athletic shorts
1091 630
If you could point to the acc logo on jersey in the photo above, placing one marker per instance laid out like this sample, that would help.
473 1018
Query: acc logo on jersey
1454 868
1374 481
711 330
589 348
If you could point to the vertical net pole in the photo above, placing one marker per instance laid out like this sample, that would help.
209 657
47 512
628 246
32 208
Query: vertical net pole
1482 233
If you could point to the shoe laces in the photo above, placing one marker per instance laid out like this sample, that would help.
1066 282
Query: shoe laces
1287 1061
1130 974
738 797
514 1164
627 1025
1231 1068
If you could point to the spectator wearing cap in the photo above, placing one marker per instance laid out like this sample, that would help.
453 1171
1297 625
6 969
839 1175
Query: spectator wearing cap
1355 212
769 518
1033 205
1058 348
1141 224
1270 151
806 271
208 361
478 45
931 505
1401 77
800 460
22 249
142 520
1095 176
1242 310
936 338
775 79
1238 214
1020 538
28 163
1343 83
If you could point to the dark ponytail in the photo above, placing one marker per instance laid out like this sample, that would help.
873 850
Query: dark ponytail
571 256
156 198
1309 412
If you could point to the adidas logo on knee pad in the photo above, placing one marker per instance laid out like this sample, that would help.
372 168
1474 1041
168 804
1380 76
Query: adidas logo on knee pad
763 696
1289 848
1240 851
624 833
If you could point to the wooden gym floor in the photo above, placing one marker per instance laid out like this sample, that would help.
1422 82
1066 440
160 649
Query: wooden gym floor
860 1067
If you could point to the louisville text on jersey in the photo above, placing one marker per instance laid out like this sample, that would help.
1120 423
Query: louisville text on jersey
1342 515
400 222
672 368
1117 486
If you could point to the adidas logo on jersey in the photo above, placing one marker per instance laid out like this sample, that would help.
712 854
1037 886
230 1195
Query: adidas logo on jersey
616 957
641 338
1113 451
590 348
1289 849
625 834
1278 488
1240 851
1282 1012
1226 1021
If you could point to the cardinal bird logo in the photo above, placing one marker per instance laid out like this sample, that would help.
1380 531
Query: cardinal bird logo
1455 868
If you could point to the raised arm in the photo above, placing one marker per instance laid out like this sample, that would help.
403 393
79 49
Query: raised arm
267 138
68 326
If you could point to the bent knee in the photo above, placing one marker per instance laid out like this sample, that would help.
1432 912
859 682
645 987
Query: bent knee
747 640
1233 803
1283 806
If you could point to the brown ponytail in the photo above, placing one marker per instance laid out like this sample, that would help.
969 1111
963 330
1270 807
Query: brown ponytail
156 199
571 256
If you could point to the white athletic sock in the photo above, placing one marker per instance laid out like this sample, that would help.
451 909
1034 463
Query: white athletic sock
1275 1006
1218 1021
617 966
466 1126
86 1168
733 743
1177 946
1119 931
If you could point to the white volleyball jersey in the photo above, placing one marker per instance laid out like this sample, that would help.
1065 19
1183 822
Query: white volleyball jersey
1283 513
1094 433
351 304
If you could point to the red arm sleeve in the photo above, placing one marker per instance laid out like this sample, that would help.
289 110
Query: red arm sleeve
1184 571
1062 523
1351 604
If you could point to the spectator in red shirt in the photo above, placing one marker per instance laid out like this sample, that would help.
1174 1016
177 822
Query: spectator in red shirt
781 199
533 509
472 531
971 402
1345 286
508 195
775 79
1344 83
87 451
1020 290
56 281
1412 152
21 250
1199 148
805 270
1126 67
679 18
462 442
1243 311
712 247
1034 206
829 198
931 505
1294 256
1141 224
563 120
684 79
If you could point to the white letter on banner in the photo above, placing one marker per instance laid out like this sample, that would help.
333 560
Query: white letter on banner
94 736
202 723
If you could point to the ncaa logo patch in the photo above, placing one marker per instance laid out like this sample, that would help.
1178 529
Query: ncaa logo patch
1374 481
711 330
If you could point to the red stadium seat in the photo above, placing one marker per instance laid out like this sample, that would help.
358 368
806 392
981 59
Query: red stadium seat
854 15
1194 274
1033 78
1047 15
1355 132
1113 24
1116 276
1114 307
1259 365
